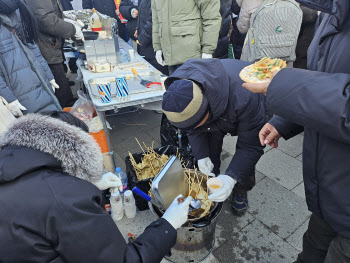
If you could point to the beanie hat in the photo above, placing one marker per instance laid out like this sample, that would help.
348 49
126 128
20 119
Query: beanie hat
184 104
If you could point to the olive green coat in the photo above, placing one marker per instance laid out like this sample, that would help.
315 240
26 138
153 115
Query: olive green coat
184 29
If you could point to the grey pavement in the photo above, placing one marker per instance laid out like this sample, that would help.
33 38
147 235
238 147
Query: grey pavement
277 217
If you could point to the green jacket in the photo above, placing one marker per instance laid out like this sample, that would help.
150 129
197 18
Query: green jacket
184 29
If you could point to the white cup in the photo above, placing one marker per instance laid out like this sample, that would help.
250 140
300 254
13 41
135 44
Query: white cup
116 198
117 206
132 54
214 181
130 209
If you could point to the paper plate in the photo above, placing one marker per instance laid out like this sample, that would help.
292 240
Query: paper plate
248 75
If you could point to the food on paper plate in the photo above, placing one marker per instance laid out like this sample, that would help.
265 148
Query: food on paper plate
262 71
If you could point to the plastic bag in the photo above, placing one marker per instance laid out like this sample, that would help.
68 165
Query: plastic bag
6 117
83 108
95 125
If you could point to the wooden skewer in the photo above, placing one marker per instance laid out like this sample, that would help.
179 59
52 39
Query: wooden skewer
140 145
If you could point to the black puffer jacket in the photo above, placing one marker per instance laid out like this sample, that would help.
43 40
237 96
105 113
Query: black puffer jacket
225 11
50 212
125 9
233 109
319 103
52 28
106 7
144 30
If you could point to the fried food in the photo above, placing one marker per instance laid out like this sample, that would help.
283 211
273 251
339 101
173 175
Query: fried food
265 67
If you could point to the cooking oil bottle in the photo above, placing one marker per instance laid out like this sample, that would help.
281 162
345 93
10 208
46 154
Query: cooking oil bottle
95 22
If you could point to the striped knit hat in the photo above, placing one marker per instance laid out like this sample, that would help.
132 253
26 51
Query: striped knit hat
184 104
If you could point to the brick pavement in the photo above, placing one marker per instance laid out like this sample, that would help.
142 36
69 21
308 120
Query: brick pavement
272 229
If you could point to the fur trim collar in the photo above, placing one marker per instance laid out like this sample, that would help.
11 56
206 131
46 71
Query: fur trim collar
78 152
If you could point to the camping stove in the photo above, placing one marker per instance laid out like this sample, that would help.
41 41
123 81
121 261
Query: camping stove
195 240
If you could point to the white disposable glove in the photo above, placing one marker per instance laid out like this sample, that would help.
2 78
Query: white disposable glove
225 191
159 58
78 26
206 166
205 56
54 85
16 108
109 180
177 214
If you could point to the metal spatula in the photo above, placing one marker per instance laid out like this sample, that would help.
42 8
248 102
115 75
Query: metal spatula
143 81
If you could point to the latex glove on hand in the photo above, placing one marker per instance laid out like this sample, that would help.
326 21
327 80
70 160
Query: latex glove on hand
177 214
159 58
206 166
109 180
78 26
54 85
16 108
205 56
225 191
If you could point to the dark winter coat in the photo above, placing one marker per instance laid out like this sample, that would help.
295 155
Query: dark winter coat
306 34
232 109
50 212
225 11
125 9
237 39
144 31
106 7
18 81
53 30
66 5
319 104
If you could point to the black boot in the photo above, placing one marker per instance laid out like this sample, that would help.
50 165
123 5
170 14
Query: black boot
239 203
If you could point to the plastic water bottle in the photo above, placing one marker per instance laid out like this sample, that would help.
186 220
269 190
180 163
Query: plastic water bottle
123 178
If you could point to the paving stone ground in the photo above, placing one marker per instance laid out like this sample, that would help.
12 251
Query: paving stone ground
272 229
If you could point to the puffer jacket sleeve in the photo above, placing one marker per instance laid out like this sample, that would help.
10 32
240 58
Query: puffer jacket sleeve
317 100
48 21
125 8
286 128
243 22
36 51
199 142
6 92
82 231
145 36
211 20
155 28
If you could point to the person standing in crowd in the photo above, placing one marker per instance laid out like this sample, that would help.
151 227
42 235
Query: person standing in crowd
25 77
224 35
237 38
64 220
319 106
53 31
66 5
272 29
144 36
205 98
184 29
306 34
129 9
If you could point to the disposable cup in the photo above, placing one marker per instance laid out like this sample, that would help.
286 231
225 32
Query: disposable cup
105 91
116 198
214 182
132 54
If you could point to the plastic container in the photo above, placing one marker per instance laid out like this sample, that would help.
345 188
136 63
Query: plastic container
95 22
214 185
123 177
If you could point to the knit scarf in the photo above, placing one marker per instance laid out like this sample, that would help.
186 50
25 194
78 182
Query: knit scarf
30 27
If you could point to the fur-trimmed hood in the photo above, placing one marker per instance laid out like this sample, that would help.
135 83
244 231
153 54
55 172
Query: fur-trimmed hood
78 153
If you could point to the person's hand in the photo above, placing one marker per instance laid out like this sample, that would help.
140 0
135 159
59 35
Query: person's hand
16 108
177 213
205 56
225 191
117 12
54 85
109 180
78 26
206 166
259 87
135 35
159 58
134 13
269 135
